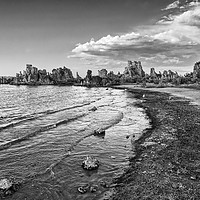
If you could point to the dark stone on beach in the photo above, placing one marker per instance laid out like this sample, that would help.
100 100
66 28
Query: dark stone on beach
90 163
99 132
8 187
93 108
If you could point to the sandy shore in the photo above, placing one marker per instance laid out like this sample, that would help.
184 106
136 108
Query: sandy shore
167 163
192 94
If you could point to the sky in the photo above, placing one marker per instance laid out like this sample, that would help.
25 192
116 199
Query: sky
97 34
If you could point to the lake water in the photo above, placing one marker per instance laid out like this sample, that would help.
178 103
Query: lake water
46 133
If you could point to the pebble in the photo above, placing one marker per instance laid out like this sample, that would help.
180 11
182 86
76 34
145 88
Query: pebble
103 184
93 188
83 189
193 177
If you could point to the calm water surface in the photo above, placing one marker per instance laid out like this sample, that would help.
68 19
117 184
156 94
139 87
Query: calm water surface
46 132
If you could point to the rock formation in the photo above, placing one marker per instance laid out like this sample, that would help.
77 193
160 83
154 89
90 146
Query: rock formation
62 76
134 69
6 79
90 163
88 78
34 76
133 73
160 78
103 73
103 79
153 73
78 79
196 71
169 76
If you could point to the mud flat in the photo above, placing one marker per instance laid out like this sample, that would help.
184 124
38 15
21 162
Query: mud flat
167 162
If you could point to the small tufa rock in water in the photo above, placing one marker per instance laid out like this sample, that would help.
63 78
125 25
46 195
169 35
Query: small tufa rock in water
170 97
8 187
99 132
90 163
83 189
93 109
93 188
5 184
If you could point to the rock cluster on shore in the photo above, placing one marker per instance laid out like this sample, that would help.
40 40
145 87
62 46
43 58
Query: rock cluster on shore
133 73
34 76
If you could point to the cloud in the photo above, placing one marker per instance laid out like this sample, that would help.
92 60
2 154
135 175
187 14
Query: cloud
172 5
191 4
175 38
186 56
181 4
190 17
166 20
106 43
173 60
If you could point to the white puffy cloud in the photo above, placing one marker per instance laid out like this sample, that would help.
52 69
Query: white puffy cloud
190 17
173 39
108 42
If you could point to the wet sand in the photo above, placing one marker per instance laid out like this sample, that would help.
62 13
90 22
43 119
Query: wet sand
167 162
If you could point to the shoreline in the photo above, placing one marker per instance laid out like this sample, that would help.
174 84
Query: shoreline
167 161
